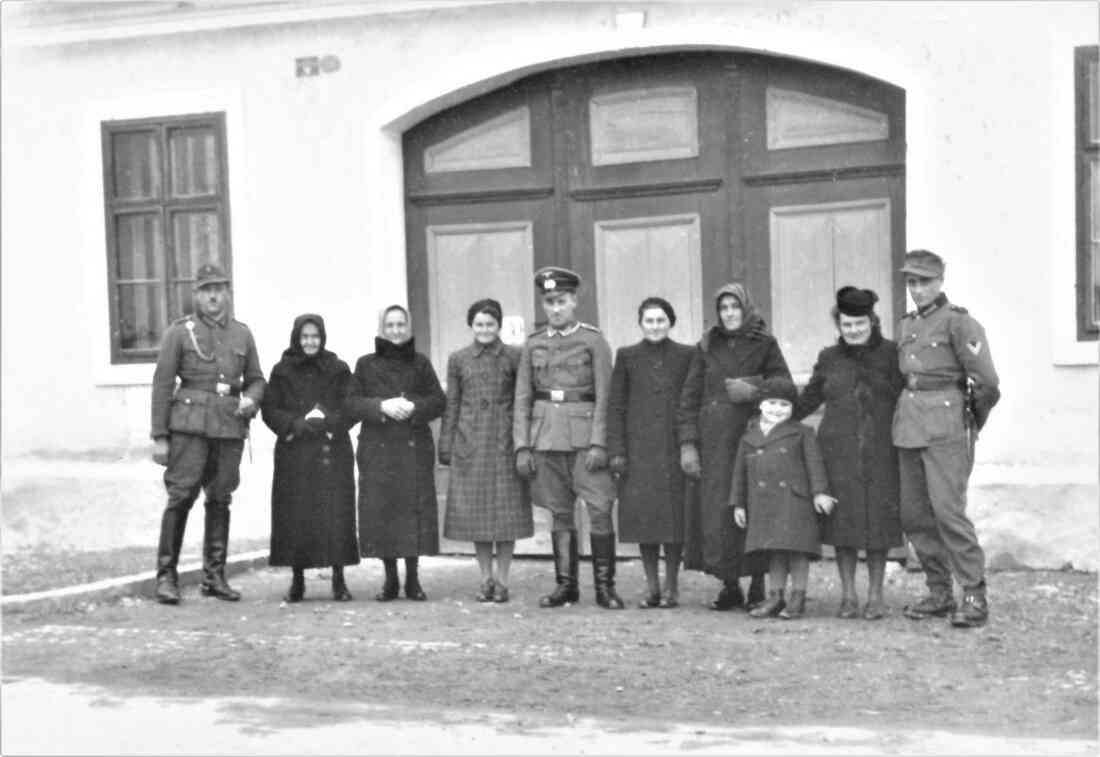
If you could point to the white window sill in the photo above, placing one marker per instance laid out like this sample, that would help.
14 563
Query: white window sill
127 374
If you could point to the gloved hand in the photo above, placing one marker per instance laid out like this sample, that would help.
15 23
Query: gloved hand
595 459
689 461
740 390
617 465
444 457
525 463
316 425
246 406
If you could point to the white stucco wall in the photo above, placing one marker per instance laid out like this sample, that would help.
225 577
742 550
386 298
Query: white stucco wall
316 182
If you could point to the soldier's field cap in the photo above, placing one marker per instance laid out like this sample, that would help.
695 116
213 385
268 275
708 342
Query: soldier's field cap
210 274
553 280
923 263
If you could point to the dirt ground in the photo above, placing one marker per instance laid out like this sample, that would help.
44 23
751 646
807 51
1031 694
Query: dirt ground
1031 672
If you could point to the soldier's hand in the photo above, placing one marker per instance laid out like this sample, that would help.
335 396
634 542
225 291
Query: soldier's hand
444 457
525 463
689 461
160 451
617 464
246 406
739 517
823 503
397 408
595 459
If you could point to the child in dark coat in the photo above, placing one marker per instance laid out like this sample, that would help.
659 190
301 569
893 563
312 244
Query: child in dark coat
779 484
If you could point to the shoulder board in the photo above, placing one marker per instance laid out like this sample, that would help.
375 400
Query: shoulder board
958 308
183 320
910 314
589 326
537 332
241 324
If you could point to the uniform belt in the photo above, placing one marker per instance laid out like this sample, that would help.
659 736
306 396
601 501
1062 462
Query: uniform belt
563 395
234 391
919 382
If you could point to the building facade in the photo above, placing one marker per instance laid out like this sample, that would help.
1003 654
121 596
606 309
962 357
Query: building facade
340 156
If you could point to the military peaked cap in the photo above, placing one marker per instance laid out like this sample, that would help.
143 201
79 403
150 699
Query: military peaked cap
552 280
210 274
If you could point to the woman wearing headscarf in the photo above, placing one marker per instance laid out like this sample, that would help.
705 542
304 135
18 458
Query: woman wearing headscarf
313 487
395 393
645 455
720 394
487 501
859 381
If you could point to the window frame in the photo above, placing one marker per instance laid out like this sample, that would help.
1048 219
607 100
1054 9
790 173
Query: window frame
1085 150
167 206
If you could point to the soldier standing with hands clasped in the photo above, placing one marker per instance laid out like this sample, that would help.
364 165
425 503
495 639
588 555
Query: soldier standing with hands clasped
560 433
200 426
951 386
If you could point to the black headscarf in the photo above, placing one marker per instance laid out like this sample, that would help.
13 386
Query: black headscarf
294 355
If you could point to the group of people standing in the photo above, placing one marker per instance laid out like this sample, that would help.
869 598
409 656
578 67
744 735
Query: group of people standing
700 445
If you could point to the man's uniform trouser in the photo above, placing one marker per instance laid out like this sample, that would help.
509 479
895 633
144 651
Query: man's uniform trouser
933 513
560 478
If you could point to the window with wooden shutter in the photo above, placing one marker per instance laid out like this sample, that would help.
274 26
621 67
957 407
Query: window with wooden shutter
167 213
1088 193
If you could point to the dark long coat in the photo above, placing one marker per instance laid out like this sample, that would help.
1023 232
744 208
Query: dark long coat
708 418
397 501
859 385
775 479
313 486
641 426
486 499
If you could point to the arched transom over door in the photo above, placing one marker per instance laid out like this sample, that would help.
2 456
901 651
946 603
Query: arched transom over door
664 175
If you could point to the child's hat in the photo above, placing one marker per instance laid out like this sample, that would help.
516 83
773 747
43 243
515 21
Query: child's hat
778 389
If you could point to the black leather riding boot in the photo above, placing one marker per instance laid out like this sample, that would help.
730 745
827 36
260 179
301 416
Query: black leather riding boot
603 571
565 570
215 547
172 525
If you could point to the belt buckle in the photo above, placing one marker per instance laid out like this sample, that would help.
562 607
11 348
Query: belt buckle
222 389
911 380
557 395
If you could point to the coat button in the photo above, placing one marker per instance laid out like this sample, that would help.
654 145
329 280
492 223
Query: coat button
783 484
412 443
324 461
783 450
761 484
325 448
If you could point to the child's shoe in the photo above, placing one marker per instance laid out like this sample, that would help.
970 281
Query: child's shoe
771 606
796 607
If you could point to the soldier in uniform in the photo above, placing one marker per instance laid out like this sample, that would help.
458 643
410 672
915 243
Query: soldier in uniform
560 430
200 425
951 386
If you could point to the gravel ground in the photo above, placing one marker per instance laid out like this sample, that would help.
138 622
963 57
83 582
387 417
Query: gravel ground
1032 672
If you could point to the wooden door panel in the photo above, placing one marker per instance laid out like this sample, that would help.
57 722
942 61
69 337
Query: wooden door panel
815 250
503 255
646 256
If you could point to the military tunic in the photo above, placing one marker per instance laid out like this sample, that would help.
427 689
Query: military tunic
216 362
942 348
562 388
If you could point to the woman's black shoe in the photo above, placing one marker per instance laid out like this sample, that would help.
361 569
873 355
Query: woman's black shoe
729 598
297 588
414 592
390 590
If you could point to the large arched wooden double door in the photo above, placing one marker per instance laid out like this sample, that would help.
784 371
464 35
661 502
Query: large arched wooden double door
669 175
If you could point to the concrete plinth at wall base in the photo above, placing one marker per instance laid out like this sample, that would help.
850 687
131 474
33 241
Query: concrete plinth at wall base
68 597
1043 525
